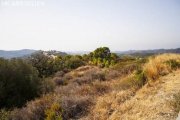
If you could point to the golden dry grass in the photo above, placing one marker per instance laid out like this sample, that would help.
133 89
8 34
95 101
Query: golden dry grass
125 102
148 103
151 103
158 65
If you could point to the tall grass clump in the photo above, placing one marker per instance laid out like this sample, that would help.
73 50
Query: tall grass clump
161 65
4 114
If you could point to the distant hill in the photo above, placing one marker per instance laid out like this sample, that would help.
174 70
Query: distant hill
16 53
25 53
147 52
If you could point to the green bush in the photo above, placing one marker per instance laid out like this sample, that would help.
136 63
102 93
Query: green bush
73 62
173 64
19 83
141 79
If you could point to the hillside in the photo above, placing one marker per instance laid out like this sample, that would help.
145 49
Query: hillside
132 89
154 101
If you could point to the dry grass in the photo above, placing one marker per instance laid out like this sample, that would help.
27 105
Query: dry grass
158 66
108 103
128 100
152 103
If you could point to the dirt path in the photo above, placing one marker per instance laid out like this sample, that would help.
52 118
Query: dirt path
152 102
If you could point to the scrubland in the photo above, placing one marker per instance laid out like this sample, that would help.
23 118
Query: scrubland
133 89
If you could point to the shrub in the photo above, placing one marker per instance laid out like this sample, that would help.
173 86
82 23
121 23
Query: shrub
54 112
99 76
34 110
111 74
47 85
175 103
59 74
19 83
59 81
174 64
73 62
4 114
74 106
100 88
140 78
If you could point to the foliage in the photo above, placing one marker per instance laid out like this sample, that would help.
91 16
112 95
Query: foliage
174 64
103 57
47 65
47 85
19 82
43 63
73 62
54 112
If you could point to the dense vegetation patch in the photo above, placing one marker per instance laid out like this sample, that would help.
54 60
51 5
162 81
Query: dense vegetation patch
19 83
103 57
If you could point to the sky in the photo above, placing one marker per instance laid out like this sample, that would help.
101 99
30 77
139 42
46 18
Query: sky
83 25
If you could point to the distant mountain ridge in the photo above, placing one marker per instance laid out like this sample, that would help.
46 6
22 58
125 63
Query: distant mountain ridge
147 52
25 53
16 53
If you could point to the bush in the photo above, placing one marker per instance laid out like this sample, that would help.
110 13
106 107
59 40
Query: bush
19 83
73 62
99 76
141 78
47 85
173 64
54 112
4 114
74 106
34 110
60 81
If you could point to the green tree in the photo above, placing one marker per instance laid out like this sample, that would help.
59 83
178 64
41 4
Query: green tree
103 57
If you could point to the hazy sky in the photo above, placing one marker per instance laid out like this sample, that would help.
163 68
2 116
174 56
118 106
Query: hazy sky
73 25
